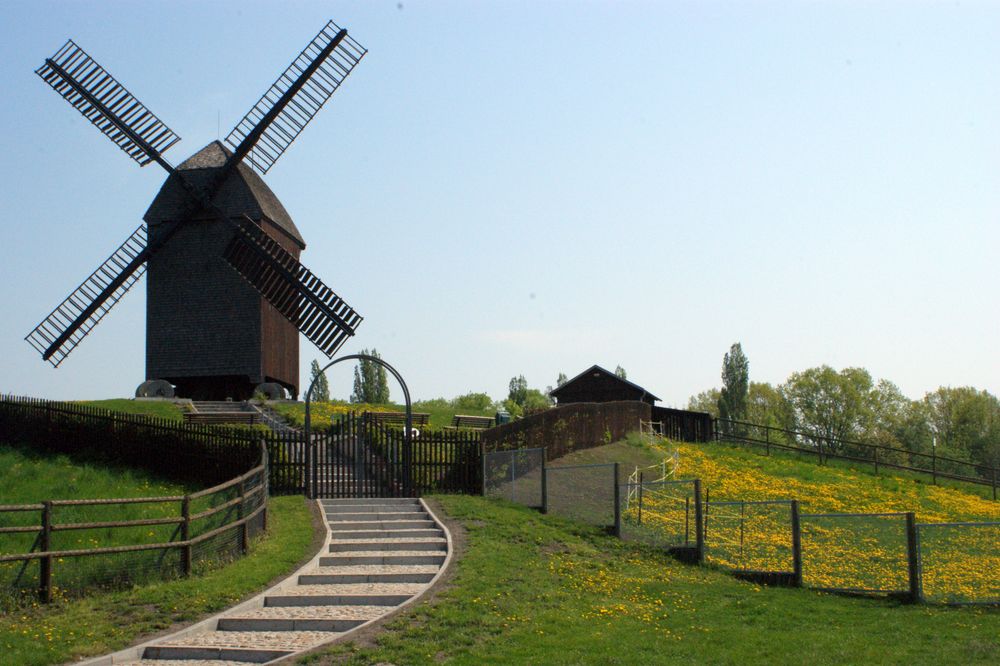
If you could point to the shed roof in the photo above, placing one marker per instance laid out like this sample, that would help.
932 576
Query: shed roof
599 370
243 193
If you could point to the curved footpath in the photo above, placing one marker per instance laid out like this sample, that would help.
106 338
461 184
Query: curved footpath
379 555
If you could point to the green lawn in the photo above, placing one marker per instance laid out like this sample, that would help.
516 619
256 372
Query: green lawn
322 412
100 623
535 589
162 409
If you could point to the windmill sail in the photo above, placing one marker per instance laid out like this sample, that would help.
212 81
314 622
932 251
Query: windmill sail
291 102
292 289
59 333
107 104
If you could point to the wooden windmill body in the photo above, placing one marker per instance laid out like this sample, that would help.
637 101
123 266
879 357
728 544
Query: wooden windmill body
208 332
227 296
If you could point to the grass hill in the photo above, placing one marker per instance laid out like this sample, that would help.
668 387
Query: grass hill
441 412
534 589
161 409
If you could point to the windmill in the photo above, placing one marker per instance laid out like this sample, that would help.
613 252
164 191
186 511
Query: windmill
226 293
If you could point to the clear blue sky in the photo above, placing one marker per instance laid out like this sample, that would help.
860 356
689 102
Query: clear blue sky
533 187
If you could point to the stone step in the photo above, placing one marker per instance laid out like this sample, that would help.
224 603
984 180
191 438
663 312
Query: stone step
350 578
335 599
286 624
248 646
381 558
341 525
385 534
370 501
194 653
389 545
378 515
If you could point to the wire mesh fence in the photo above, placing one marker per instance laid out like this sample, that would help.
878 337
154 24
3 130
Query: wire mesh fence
514 475
863 553
660 513
750 536
582 492
960 562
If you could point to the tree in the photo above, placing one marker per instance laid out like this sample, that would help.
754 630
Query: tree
518 392
620 372
735 384
321 388
473 401
371 385
561 379
706 401
965 421
834 405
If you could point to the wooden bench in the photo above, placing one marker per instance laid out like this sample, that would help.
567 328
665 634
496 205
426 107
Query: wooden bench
218 418
471 422
399 418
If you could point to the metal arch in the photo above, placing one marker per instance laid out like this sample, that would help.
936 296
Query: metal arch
407 434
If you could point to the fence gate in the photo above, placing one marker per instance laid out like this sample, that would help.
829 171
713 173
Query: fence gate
360 457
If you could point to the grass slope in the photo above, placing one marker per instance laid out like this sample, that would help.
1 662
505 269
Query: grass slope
535 589
101 623
731 473
161 409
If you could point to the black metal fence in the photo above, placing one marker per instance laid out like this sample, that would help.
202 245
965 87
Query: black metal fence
821 448
355 456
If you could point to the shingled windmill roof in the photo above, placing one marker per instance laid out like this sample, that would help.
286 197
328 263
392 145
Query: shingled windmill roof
243 192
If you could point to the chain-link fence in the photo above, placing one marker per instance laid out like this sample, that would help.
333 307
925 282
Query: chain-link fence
751 536
862 553
960 562
582 492
661 513
514 475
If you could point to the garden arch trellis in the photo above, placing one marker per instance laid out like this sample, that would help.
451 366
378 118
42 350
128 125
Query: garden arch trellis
322 461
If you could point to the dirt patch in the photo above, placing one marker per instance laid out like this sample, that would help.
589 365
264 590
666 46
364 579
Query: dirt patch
366 637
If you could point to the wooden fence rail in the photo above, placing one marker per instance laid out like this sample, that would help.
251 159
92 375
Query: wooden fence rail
250 505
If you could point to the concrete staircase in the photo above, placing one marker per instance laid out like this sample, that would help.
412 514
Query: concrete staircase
380 554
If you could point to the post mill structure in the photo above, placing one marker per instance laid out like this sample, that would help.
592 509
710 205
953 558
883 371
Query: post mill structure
226 294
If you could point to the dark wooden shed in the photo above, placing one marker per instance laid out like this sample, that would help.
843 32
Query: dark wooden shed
596 384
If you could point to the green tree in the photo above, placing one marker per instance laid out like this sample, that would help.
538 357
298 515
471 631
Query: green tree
473 401
371 385
831 404
561 379
706 401
735 385
518 390
965 422
620 372
321 388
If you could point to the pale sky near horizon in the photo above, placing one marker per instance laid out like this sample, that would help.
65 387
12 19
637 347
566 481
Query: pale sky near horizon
506 188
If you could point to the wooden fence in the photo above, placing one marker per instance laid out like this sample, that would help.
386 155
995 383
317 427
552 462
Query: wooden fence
235 511
832 448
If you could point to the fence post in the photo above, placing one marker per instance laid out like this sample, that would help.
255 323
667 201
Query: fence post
618 505
796 545
545 488
513 477
45 564
482 458
876 458
241 514
699 528
994 484
934 464
186 535
767 438
820 450
640 495
913 557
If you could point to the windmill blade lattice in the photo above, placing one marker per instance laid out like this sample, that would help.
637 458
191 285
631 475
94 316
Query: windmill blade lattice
59 333
291 102
107 104
292 289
